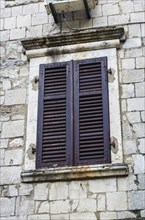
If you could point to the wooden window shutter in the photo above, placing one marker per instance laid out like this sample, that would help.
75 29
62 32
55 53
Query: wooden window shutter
91 112
55 110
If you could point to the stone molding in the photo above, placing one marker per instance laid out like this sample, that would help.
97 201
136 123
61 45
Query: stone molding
72 48
79 37
74 173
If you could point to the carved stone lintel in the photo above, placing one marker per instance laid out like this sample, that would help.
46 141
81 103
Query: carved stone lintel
79 37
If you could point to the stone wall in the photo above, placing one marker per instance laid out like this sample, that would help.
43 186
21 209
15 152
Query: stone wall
98 199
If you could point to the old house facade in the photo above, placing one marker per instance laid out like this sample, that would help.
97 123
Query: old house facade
72 142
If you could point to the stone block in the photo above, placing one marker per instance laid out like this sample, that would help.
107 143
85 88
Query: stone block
18 33
116 201
6 12
141 145
139 129
136 200
133 52
101 202
58 191
15 97
41 7
14 157
41 191
5 35
78 190
140 62
118 19
127 91
134 31
21 217
6 84
133 117
123 105
139 6
83 216
127 183
57 207
136 104
24 71
4 143
110 9
126 215
34 31
10 23
12 129
7 206
39 217
2 156
18 117
143 116
47 28
17 11
10 175
143 30
2 98
30 9
137 17
24 21
1 24
96 12
141 181
87 205
43 207
100 21
132 43
24 206
140 89
60 217
108 215
128 63
126 6
13 190
129 146
41 18
25 189
17 142
132 76
102 185
139 164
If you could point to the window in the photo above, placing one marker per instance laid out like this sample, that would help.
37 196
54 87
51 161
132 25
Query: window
73 114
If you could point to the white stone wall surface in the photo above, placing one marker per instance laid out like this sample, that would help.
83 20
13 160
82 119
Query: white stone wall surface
98 199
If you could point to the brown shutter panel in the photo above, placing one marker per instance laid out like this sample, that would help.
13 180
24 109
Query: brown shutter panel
55 131
91 112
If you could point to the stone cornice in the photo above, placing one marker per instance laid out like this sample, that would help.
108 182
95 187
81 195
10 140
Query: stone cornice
81 37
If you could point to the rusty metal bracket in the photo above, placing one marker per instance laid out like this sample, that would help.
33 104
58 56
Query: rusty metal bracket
87 9
54 13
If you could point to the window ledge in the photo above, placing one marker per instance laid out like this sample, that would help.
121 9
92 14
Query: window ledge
74 173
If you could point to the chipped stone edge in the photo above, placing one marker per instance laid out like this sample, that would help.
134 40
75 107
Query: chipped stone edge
74 173
73 48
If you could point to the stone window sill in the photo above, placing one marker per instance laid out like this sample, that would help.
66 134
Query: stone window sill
74 173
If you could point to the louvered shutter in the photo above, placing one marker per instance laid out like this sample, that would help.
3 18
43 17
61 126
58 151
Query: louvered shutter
55 131
91 117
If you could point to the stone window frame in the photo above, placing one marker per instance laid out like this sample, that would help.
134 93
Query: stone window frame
67 53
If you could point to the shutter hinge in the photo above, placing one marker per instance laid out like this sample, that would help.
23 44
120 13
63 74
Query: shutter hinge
36 79
33 150
109 71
